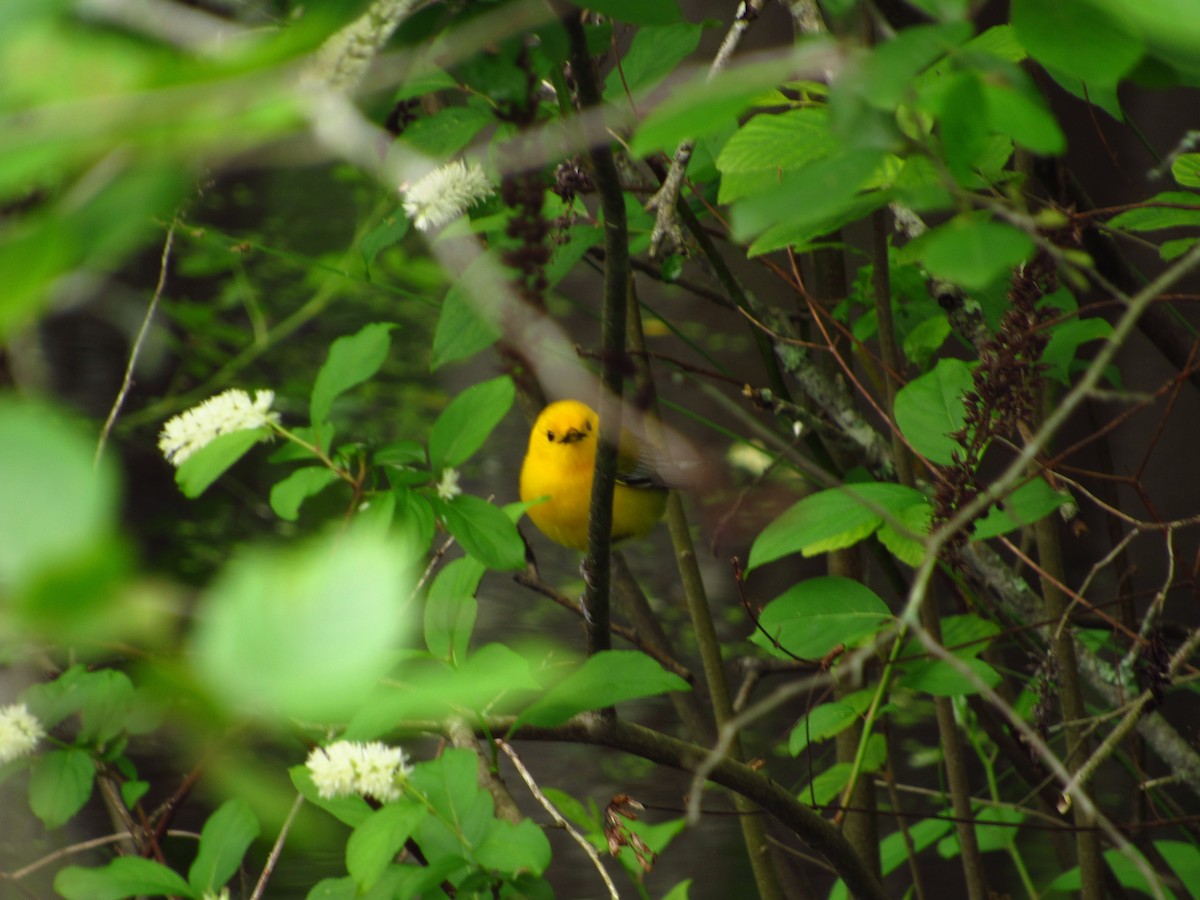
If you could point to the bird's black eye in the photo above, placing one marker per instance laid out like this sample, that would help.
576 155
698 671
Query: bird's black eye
549 435
588 424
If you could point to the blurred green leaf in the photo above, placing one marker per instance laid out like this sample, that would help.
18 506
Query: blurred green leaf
1186 170
1030 502
350 810
814 616
1065 338
971 250
388 232
351 361
1170 209
57 504
465 424
828 720
1085 40
603 680
515 847
125 876
652 55
340 600
226 836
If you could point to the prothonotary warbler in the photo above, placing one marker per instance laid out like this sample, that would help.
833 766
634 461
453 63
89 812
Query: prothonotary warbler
559 465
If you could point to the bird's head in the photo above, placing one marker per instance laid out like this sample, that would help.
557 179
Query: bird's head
566 422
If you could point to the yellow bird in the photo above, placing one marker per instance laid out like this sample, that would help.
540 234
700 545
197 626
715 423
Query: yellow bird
560 463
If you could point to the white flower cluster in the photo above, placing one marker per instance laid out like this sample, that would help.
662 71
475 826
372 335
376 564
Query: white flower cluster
19 732
445 194
196 428
351 767
447 486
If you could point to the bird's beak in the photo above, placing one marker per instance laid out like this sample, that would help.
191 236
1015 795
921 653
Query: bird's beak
573 435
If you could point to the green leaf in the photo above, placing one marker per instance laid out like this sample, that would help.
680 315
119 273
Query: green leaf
702 107
1186 170
883 77
485 532
214 459
971 250
777 143
1127 874
1078 37
1184 860
352 360
964 132
827 785
926 338
377 840
448 130
1020 113
287 495
60 784
450 609
351 810
815 616
916 519
512 848
390 231
461 331
1065 339
1030 502
57 504
930 408
125 876
636 12
828 720
465 424
223 842
894 849
415 513
652 55
1177 209
603 680
830 520
812 195
340 599
450 785
943 679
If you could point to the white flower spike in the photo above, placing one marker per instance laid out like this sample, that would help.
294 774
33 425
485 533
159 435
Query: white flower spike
196 428
445 194
19 732
349 767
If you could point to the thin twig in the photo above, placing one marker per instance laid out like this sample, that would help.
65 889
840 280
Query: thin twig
558 818
82 847
135 351
277 849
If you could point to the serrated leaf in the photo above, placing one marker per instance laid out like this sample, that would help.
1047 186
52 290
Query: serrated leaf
351 361
289 494
830 520
485 532
465 424
971 250
378 838
604 679
778 143
125 876
223 842
59 785
213 460
930 408
815 616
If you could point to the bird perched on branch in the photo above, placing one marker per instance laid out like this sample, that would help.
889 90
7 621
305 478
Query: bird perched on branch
559 465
